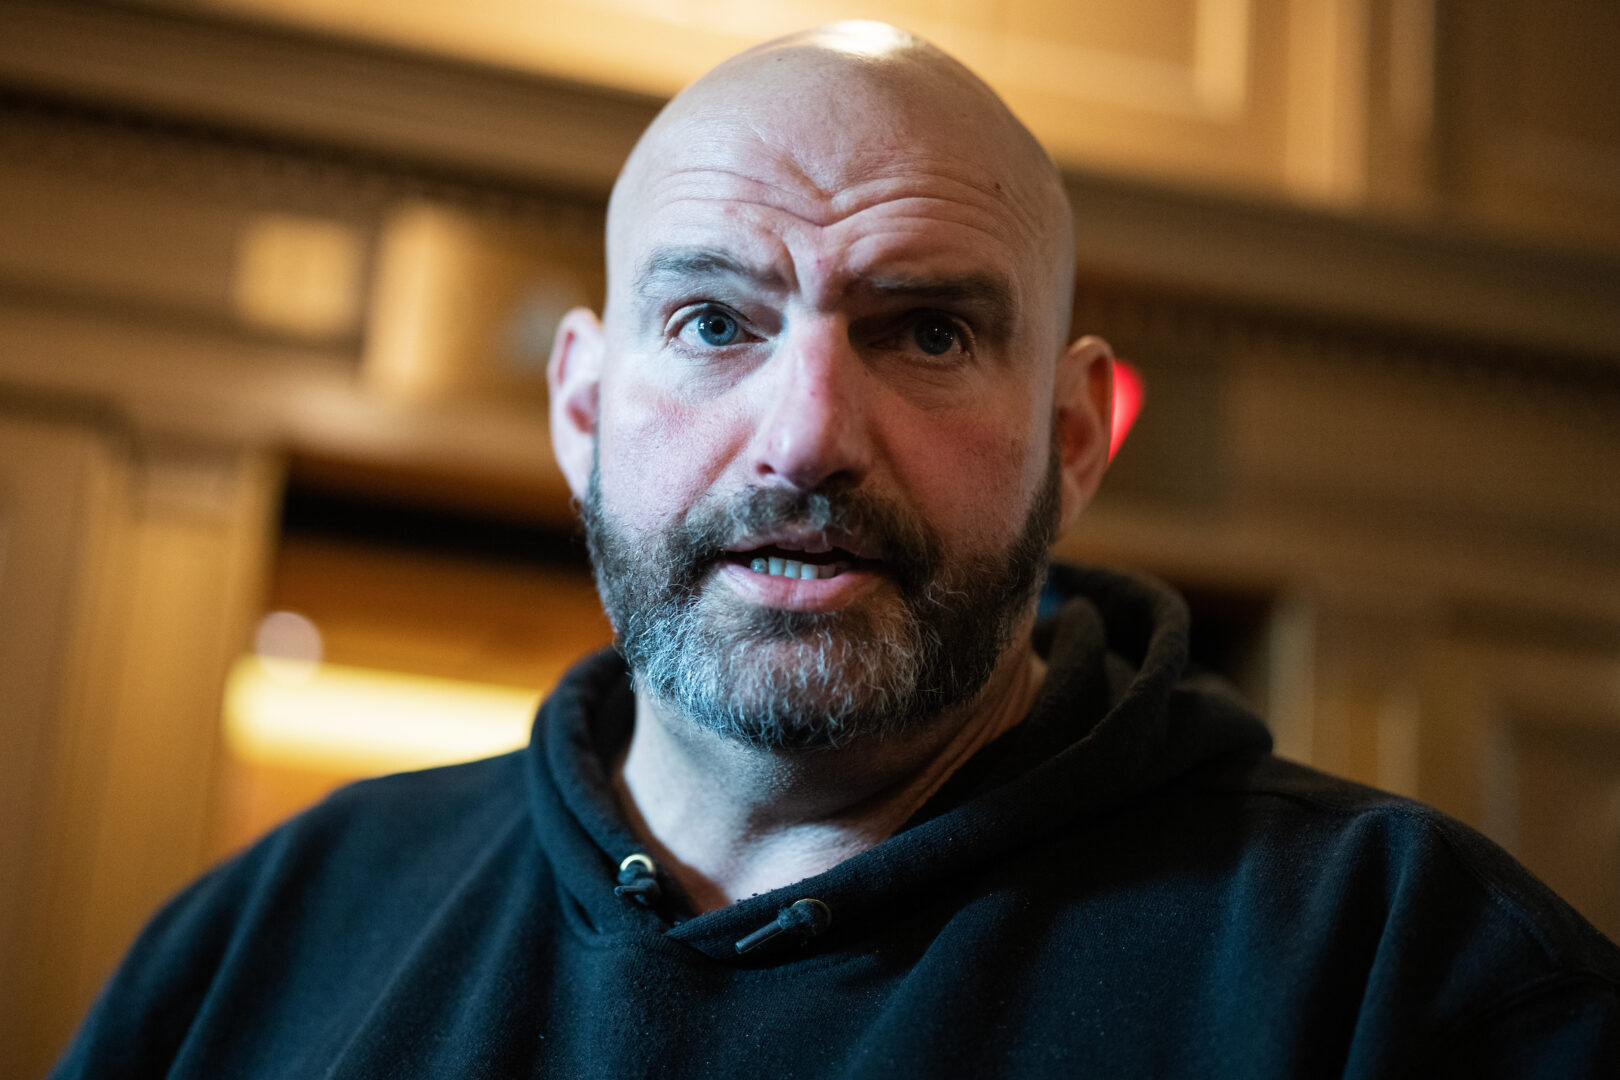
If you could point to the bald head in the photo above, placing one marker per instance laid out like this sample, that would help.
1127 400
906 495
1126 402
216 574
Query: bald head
827 122
830 389
837 259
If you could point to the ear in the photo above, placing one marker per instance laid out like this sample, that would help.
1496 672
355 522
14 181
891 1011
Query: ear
574 376
1085 403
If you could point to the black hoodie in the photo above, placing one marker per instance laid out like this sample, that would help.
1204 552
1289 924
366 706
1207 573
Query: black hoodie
1127 884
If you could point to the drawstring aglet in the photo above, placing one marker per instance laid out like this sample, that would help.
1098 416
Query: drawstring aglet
804 918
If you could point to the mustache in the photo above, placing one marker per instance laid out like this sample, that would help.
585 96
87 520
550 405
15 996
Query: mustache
845 516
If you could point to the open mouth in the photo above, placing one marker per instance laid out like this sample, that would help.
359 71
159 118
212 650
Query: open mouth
775 561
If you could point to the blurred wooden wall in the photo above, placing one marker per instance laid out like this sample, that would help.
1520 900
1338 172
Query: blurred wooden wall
1366 251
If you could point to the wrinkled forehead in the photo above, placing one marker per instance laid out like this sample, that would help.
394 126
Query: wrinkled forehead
823 135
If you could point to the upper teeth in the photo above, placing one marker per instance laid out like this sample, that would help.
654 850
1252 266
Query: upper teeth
791 568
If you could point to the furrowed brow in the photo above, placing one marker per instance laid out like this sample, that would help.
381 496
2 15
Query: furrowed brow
670 268
989 296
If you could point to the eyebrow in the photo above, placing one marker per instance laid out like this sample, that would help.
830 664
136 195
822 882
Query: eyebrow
671 266
988 293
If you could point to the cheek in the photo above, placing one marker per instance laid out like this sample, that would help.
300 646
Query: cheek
972 475
658 455
977 463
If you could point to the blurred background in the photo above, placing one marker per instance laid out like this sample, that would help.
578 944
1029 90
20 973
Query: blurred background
278 280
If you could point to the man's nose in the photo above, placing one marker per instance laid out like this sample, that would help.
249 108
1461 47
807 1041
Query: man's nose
813 422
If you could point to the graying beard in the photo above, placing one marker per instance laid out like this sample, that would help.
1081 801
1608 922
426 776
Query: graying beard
848 676
835 683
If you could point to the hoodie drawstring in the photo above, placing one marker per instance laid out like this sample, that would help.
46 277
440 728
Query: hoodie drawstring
807 918
803 918
638 880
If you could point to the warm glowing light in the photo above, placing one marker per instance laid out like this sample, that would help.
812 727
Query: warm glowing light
361 721
1127 403
863 37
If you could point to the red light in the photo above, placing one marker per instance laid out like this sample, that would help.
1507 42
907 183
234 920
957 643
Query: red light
1127 403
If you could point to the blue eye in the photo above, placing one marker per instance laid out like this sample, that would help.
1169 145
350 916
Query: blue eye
717 328
934 335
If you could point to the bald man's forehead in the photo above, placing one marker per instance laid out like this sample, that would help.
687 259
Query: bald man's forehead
865 217
823 136
823 172
824 156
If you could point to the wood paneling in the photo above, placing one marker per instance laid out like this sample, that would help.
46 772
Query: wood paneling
466 306
54 478
1185 88
1523 740
1532 128
1499 114
131 567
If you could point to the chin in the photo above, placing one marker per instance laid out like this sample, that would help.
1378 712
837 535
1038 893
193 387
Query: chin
816 689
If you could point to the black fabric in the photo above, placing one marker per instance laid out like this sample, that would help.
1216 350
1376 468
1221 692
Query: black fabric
1127 884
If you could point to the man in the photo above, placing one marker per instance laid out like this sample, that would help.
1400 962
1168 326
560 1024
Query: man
854 813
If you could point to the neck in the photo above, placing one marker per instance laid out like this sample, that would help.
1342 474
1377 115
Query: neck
727 820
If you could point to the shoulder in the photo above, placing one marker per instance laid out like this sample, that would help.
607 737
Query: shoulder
325 899
1430 881
1342 900
412 834
389 831
430 805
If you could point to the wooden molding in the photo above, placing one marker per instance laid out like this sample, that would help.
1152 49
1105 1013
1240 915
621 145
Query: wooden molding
282 83
1428 279
319 95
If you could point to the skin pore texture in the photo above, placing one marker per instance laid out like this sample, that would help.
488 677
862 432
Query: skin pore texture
839 277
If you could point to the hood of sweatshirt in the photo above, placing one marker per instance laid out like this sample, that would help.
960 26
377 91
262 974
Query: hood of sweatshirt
1117 717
